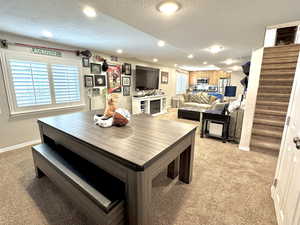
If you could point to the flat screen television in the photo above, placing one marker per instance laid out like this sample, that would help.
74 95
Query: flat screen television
146 78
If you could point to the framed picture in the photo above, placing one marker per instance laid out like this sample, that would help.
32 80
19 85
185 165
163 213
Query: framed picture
100 80
88 81
96 91
114 78
164 77
126 81
114 58
127 69
85 62
95 68
126 91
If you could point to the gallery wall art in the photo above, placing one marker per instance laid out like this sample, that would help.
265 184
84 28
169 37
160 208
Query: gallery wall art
114 78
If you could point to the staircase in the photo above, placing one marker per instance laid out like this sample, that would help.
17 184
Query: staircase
275 85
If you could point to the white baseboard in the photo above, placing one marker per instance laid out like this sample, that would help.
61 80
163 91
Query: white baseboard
244 148
22 145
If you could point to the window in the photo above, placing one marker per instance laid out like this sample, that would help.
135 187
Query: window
31 84
182 83
66 83
36 83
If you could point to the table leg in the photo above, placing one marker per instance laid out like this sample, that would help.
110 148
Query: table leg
186 163
224 130
173 168
138 197
202 128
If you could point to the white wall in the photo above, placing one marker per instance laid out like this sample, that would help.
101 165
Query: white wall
236 77
253 83
15 131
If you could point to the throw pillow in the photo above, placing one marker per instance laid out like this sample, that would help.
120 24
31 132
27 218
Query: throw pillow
212 99
187 97
194 98
203 98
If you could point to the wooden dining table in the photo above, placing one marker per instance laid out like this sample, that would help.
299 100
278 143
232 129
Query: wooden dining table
135 153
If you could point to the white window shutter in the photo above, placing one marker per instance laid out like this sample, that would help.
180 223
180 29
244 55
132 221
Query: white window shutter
30 83
66 83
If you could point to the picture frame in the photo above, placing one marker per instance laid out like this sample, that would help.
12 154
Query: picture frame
85 62
127 69
126 81
164 77
114 79
126 91
96 91
88 81
100 80
95 68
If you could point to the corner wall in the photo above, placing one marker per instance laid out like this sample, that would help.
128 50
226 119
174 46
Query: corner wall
253 83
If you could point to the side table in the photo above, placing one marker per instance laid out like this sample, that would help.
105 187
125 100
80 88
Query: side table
217 118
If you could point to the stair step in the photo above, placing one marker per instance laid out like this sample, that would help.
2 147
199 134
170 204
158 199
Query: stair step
269 127
265 80
274 89
275 96
264 145
269 122
274 66
270 117
280 60
274 55
267 133
282 48
270 112
279 73
271 103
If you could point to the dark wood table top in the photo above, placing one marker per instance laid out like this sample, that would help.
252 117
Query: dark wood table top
139 143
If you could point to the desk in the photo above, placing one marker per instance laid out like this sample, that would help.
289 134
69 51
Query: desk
135 154
217 118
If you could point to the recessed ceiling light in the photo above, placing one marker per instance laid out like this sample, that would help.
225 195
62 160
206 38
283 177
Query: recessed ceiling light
235 68
155 60
47 34
89 11
228 61
168 7
120 51
204 62
190 56
215 49
161 43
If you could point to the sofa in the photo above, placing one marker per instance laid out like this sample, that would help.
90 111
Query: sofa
201 100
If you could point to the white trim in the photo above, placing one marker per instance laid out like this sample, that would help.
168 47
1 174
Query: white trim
290 24
22 145
39 111
244 148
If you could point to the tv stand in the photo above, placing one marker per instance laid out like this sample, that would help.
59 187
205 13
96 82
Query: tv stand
153 105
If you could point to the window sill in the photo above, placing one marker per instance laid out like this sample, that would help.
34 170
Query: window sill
43 111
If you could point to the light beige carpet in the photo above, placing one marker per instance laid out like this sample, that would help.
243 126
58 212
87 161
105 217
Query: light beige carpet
230 187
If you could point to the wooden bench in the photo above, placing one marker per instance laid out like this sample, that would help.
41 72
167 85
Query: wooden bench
98 194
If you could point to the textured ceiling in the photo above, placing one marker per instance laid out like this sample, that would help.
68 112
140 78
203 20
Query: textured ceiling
135 26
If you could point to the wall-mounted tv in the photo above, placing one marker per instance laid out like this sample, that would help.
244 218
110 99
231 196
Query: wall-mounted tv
146 78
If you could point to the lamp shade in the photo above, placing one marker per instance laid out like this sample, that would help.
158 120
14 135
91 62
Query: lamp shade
230 91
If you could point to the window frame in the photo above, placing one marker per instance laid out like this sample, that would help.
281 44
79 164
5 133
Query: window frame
14 110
